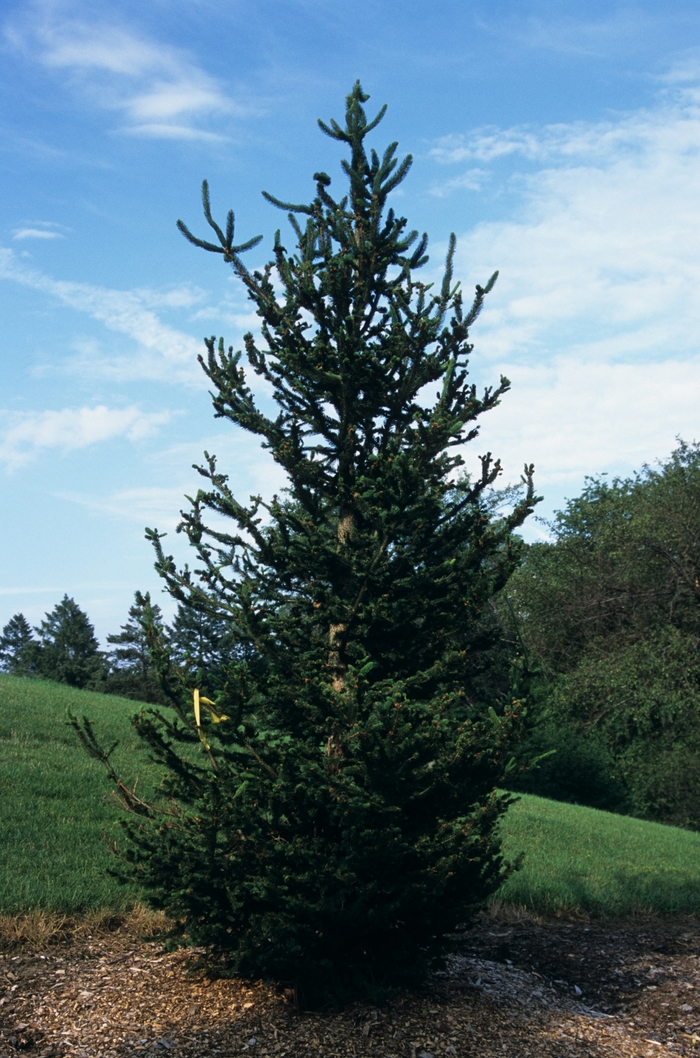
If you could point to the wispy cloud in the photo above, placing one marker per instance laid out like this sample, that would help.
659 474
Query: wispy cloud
573 417
604 255
620 32
471 180
160 91
599 288
486 145
36 233
684 70
24 434
147 505
256 473
161 131
40 229
172 355
577 142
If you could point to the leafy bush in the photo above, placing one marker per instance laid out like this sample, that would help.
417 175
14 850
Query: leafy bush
608 613
566 764
642 702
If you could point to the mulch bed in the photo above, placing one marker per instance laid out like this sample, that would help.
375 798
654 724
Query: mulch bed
522 988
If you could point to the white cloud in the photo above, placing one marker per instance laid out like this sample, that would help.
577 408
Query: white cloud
486 145
180 297
174 132
602 142
25 434
76 44
472 180
572 417
160 506
605 255
36 233
172 354
596 314
162 354
256 473
40 229
684 70
170 100
154 86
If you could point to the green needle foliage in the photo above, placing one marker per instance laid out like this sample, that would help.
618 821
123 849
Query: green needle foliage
68 650
131 672
333 816
17 646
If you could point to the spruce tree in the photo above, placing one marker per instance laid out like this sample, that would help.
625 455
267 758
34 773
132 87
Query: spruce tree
340 819
131 671
18 647
204 646
68 648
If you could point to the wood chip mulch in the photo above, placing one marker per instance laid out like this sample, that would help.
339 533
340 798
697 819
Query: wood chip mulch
521 988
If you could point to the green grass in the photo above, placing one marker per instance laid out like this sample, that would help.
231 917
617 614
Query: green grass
579 859
55 805
55 801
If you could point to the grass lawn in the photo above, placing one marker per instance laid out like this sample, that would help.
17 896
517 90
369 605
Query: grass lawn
55 801
55 805
580 859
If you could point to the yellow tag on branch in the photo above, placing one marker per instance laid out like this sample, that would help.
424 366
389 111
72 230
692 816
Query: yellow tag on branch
199 700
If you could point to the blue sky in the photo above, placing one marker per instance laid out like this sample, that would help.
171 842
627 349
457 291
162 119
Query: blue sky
560 141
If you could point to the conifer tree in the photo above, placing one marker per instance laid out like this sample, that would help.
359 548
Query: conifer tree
68 648
131 670
341 819
204 646
18 647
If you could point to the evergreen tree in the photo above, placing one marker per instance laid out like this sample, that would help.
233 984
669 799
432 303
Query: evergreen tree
204 647
198 643
18 647
131 671
68 649
342 818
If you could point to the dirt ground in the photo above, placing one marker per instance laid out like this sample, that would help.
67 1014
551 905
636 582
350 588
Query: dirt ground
521 988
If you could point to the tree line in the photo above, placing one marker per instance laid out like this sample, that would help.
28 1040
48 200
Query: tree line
604 620
64 648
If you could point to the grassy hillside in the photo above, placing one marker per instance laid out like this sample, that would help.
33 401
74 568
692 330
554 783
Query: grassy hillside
55 801
55 806
580 859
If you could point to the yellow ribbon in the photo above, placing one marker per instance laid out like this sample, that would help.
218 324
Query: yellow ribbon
198 701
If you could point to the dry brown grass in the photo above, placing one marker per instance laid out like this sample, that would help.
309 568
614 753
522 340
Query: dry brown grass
514 914
43 929
39 930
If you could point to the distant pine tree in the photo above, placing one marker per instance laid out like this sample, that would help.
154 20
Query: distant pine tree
131 672
205 648
68 649
18 647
